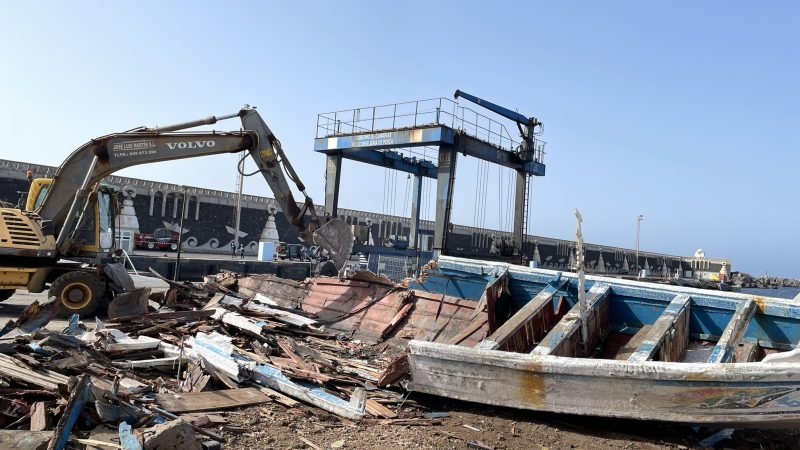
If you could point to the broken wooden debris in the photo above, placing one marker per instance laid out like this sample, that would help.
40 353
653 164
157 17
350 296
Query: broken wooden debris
13 368
209 348
40 417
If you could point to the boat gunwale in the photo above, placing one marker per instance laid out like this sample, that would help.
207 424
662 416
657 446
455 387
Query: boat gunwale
745 372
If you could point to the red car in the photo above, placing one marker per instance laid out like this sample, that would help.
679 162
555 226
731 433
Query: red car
159 239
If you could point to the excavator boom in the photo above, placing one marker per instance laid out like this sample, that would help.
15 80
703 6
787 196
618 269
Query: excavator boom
67 198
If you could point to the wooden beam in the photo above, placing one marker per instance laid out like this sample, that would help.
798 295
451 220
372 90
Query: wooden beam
211 400
669 335
564 338
520 333
468 331
491 292
732 335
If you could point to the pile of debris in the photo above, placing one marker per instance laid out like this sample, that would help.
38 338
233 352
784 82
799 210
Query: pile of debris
162 369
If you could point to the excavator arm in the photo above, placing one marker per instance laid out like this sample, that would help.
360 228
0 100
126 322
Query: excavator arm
68 196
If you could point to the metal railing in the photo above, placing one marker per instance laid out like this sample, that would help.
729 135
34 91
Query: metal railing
420 113
395 268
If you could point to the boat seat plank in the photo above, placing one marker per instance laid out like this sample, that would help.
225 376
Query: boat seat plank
630 347
726 346
564 339
667 339
528 325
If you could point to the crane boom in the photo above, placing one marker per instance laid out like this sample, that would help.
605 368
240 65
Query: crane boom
505 112
527 125
67 198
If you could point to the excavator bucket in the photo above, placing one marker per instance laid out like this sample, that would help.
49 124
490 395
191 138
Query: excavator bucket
337 238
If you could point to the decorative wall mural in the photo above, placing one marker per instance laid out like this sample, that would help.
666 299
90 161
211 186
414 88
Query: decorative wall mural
209 222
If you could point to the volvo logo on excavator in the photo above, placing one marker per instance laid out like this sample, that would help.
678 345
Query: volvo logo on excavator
191 144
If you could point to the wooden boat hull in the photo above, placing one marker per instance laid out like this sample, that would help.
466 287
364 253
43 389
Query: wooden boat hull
546 351
743 395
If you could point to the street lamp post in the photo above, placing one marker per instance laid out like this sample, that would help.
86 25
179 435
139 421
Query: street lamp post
180 236
638 226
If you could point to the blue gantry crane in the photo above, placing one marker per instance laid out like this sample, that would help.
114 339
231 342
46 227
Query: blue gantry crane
375 134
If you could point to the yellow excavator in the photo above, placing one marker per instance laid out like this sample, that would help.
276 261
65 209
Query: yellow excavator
64 238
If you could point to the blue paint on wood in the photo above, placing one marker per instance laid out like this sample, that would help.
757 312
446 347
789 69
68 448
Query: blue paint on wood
126 438
775 324
76 405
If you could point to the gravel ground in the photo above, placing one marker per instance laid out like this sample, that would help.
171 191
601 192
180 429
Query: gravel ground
471 425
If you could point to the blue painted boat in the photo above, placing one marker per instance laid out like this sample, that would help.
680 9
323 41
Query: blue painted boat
621 349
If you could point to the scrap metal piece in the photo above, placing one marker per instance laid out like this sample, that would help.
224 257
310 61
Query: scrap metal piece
337 238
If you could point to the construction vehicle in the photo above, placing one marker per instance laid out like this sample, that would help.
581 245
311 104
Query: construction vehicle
64 238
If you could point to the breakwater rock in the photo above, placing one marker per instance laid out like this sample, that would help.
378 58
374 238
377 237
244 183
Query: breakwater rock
745 280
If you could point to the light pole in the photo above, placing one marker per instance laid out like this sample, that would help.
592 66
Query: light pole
638 226
180 236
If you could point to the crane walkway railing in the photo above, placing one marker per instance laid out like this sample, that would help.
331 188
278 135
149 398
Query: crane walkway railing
421 113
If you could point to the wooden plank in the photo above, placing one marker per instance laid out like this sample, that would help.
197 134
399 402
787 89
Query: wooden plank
396 369
533 308
92 443
187 315
378 410
660 340
493 289
13 368
630 347
239 321
724 350
40 418
401 314
148 363
265 311
211 400
568 327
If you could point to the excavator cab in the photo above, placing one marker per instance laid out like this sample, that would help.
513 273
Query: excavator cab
37 192
95 238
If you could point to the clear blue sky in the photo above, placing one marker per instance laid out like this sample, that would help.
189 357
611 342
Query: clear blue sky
685 112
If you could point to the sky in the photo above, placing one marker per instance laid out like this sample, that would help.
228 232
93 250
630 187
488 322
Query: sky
684 112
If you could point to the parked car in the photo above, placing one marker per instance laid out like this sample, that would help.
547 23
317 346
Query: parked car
159 239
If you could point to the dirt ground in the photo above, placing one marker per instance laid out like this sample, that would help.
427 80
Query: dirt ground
478 427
